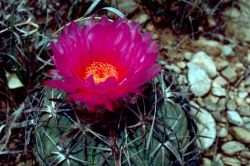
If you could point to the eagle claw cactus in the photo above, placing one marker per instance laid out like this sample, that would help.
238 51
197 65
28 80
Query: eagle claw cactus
115 113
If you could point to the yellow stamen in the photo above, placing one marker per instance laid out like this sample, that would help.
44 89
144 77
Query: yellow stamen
101 71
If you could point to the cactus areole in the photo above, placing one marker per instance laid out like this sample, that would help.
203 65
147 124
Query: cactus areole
103 61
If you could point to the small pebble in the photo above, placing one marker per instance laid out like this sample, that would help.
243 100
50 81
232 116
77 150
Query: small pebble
219 91
248 57
206 162
221 64
232 147
227 50
234 118
243 95
231 105
220 81
244 110
231 161
181 65
245 154
223 132
198 79
230 74
241 134
205 62
188 56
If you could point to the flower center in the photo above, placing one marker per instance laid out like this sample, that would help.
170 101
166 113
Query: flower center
101 71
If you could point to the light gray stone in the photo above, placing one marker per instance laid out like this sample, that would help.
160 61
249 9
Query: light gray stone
223 132
206 129
232 147
230 74
244 110
218 91
173 68
247 81
246 119
211 104
241 134
227 50
202 60
245 154
221 64
222 104
142 18
220 81
234 118
206 162
248 57
219 117
247 126
241 102
188 56
243 94
231 161
248 100
126 7
218 161
181 64
231 105
198 79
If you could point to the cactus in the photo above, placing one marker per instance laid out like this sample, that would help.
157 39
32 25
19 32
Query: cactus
152 130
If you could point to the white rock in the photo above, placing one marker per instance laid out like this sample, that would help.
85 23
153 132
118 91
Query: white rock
181 64
227 50
221 64
243 94
248 57
219 91
246 119
127 7
229 161
220 81
241 102
13 81
218 161
232 147
173 68
223 132
188 55
247 81
143 18
245 154
234 118
244 110
230 74
241 134
231 105
206 128
248 100
202 60
198 79
206 162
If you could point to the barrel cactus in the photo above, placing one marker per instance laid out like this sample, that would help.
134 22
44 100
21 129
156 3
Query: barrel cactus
115 114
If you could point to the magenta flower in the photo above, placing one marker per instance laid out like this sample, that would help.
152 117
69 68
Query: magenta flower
103 61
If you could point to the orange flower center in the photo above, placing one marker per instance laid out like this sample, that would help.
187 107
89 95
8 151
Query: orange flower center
101 71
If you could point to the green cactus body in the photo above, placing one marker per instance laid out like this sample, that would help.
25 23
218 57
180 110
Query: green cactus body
137 134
